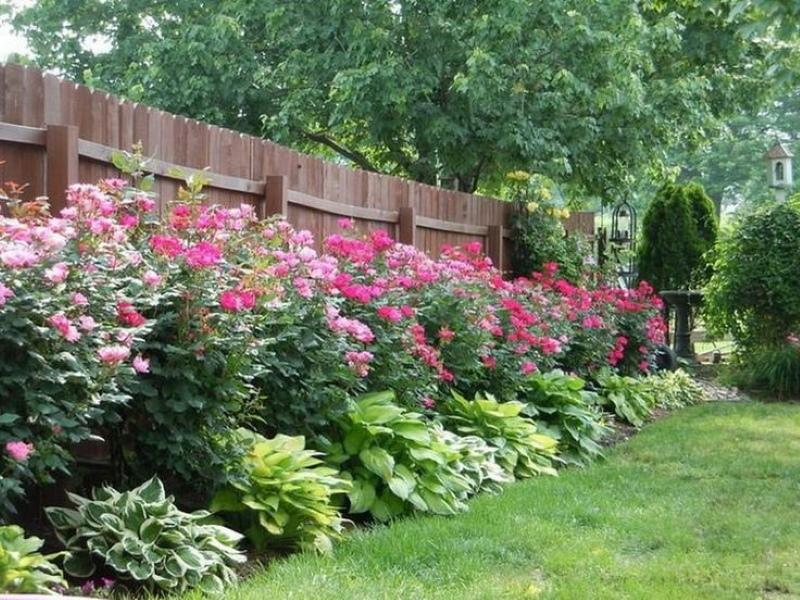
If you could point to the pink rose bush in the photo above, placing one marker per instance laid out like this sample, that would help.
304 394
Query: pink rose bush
165 335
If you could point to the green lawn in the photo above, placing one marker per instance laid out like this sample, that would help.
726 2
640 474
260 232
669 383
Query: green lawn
702 504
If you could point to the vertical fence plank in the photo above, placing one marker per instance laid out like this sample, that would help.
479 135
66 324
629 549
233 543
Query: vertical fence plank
494 245
62 163
276 197
407 226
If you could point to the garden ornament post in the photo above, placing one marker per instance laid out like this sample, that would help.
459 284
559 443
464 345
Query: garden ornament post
623 242
779 170
682 301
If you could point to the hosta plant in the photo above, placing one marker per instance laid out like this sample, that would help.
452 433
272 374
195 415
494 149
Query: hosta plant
284 494
396 462
142 536
23 569
478 460
569 412
521 449
631 399
675 389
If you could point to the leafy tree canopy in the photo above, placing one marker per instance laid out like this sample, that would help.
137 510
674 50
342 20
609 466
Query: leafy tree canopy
591 94
732 167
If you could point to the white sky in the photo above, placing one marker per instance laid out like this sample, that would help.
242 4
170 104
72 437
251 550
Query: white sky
9 42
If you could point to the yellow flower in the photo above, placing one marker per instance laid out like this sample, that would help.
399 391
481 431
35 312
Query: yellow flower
532 206
565 213
520 176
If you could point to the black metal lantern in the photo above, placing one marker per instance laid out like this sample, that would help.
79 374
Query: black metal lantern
623 241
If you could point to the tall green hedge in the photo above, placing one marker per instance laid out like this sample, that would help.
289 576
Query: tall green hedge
679 227
755 290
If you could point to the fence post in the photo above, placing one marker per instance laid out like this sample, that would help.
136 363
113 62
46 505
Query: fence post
407 225
62 163
276 196
494 245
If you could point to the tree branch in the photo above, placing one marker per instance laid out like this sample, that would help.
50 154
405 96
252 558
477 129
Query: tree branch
352 155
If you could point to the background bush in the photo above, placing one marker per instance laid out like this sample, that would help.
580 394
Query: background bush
538 236
755 287
679 227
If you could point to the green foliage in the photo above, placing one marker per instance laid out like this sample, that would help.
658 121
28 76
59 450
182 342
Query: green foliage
568 412
702 504
53 392
521 449
396 461
141 535
538 235
731 168
678 229
675 389
585 92
23 569
754 290
633 399
285 493
775 370
628 397
301 375
478 461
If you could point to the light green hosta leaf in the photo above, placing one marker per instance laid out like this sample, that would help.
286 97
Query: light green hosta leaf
412 430
361 496
379 461
354 440
423 454
286 493
403 482
227 499
380 414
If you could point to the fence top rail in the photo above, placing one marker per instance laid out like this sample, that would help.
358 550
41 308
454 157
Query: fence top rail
103 153
345 210
37 136
21 134
452 227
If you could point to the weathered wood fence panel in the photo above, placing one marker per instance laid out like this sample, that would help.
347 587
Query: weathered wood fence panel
54 133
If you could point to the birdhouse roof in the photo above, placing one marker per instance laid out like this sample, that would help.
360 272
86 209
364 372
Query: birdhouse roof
778 151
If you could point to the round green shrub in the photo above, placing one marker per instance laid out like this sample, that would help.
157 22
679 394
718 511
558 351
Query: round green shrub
755 289
678 229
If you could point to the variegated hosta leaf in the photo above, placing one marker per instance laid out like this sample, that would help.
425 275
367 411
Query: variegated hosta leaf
142 535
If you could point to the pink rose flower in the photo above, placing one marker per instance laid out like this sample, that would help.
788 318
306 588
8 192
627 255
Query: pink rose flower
19 451
57 273
86 323
528 367
237 300
151 278
5 294
141 364
79 299
203 254
113 355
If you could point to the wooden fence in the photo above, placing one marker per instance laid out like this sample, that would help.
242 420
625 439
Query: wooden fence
54 133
